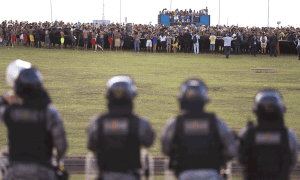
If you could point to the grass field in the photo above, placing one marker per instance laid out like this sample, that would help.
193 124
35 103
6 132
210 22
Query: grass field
76 82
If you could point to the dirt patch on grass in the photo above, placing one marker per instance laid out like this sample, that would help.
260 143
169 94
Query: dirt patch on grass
216 88
263 70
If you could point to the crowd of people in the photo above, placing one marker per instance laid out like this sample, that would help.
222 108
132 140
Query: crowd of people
197 142
151 37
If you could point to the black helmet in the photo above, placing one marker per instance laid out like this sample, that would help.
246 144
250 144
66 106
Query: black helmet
120 88
29 82
268 102
193 92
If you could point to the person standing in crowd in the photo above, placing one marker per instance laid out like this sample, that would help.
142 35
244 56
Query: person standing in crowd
291 37
110 38
180 42
136 38
253 43
197 142
1 37
227 45
97 37
116 137
93 40
268 150
263 40
249 41
38 32
237 44
62 38
163 38
74 40
154 42
34 126
169 42
3 29
175 43
298 46
31 36
85 38
8 32
195 39
245 46
187 40
149 38
102 33
273 44
25 36
212 40
17 35
47 37
117 36
13 36
122 38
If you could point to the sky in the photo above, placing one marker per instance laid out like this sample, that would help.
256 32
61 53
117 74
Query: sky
232 12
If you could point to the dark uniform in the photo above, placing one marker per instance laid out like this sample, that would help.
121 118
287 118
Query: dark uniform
198 143
268 150
273 44
115 137
34 127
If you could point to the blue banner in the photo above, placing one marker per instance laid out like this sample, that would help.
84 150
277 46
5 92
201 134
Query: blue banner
205 19
165 20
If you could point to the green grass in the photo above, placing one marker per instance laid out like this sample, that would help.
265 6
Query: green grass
76 82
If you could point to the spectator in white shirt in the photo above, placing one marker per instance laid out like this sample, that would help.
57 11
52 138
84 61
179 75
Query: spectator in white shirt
195 39
263 39
163 42
227 45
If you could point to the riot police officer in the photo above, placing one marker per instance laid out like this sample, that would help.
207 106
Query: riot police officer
197 142
115 137
268 150
34 126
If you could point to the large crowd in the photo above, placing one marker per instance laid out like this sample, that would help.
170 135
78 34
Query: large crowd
154 38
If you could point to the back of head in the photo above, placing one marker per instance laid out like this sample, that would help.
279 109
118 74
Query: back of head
193 95
29 84
121 90
268 105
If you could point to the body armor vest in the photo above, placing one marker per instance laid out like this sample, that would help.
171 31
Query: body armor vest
197 144
268 153
118 146
29 140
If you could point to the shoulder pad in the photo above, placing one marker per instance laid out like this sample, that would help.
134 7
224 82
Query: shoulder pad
2 111
52 113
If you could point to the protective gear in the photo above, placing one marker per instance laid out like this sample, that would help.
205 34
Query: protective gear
121 88
198 143
193 93
268 155
117 136
13 70
4 162
269 101
36 120
29 82
147 170
197 140
269 149
35 144
120 136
